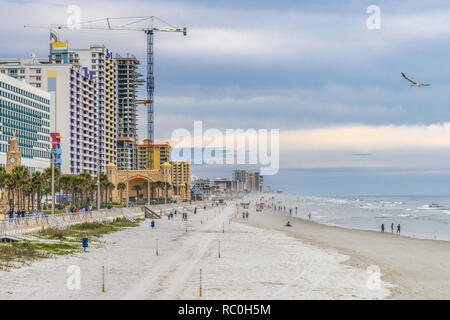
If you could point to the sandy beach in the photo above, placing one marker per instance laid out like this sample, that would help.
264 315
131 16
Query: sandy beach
418 268
258 261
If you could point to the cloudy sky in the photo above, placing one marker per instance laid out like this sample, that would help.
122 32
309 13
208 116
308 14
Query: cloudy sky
349 123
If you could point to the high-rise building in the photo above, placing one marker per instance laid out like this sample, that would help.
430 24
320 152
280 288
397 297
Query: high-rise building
128 82
73 108
25 118
181 173
160 154
100 61
144 150
240 180
255 182
83 87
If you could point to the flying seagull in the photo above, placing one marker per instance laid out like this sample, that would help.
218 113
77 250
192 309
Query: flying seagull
415 84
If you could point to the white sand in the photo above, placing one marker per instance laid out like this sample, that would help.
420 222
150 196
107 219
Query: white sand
256 264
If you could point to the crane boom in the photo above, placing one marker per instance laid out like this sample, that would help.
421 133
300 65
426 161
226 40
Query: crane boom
148 30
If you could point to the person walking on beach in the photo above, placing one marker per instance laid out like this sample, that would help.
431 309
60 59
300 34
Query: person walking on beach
246 215
243 215
382 227
398 229
309 215
392 228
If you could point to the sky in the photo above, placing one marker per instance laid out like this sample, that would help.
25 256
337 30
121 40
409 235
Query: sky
349 123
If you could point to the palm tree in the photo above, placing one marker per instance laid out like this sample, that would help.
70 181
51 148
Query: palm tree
137 187
85 184
121 186
110 187
22 176
38 179
3 177
103 185
10 185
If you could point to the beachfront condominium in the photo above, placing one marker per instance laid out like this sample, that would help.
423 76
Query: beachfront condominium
73 108
240 179
181 173
83 87
255 181
128 81
160 154
144 150
25 113
101 64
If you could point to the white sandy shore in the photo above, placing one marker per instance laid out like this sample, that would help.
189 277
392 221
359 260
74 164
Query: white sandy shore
420 269
256 263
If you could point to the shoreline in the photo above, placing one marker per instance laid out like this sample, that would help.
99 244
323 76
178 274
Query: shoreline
418 267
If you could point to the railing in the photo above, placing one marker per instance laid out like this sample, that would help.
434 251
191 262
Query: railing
17 227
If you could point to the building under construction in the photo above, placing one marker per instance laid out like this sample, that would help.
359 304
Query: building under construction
128 81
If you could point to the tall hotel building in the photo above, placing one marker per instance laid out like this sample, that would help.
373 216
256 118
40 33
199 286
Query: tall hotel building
25 112
99 60
83 89
73 108
128 81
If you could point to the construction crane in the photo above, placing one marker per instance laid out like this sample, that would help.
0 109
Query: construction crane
149 30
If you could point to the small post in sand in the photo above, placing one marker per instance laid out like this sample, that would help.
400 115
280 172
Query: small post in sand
103 278
223 227
156 247
200 282
219 249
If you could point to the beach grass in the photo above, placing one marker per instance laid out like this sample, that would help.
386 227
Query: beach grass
57 242
14 254
87 229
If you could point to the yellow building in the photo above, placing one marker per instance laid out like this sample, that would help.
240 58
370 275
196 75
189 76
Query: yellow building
181 172
161 154
144 155
152 156
158 155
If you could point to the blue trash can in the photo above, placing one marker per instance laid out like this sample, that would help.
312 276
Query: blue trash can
85 243
152 224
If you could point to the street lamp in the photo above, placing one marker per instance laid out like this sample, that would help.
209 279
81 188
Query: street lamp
165 186
148 188
166 167
53 182
127 189
98 181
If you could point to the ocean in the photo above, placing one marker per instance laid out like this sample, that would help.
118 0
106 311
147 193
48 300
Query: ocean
425 217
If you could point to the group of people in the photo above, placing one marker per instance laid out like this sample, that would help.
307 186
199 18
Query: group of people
245 215
20 213
392 228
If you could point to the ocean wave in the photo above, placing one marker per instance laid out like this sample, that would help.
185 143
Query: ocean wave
432 206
